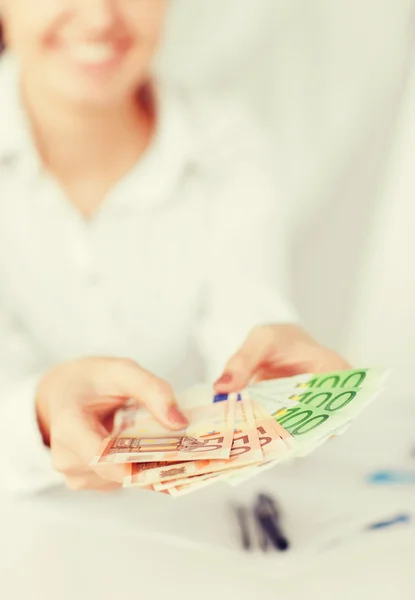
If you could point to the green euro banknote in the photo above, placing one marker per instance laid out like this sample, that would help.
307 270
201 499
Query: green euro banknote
355 378
318 415
321 412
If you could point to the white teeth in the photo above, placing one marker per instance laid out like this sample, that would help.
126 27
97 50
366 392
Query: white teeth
93 53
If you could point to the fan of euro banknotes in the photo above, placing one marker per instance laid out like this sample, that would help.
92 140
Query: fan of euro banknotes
233 437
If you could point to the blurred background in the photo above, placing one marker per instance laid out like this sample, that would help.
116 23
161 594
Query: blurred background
332 82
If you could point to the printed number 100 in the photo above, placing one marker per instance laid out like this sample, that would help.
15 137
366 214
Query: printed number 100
298 421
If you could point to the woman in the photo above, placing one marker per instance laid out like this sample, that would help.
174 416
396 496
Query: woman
138 226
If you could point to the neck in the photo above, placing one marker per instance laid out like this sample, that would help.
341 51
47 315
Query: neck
76 141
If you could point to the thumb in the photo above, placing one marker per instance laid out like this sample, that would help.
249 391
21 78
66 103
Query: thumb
243 365
153 393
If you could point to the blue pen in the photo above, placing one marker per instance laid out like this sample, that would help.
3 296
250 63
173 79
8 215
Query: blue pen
403 518
268 519
242 516
392 477
348 535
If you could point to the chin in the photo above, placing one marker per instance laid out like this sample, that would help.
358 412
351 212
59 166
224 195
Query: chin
91 95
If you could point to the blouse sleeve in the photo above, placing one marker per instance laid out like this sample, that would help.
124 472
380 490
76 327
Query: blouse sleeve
25 464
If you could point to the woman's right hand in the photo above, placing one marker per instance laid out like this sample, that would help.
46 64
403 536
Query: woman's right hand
76 403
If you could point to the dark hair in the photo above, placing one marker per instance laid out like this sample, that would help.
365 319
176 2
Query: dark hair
1 39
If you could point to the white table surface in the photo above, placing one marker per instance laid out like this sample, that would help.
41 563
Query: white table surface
66 546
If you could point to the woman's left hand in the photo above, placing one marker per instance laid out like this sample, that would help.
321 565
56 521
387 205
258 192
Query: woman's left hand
272 351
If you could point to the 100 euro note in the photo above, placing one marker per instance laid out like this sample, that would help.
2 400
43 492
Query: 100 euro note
321 413
138 437
353 379
278 394
245 449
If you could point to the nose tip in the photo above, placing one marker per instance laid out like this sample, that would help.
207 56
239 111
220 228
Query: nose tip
98 15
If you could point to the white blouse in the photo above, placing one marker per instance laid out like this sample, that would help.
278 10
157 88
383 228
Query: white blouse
183 258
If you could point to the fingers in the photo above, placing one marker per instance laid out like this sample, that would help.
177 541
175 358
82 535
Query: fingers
78 474
274 351
311 358
245 363
327 360
76 440
152 392
79 419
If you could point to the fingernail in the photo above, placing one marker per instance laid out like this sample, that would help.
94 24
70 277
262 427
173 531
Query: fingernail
226 378
176 417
